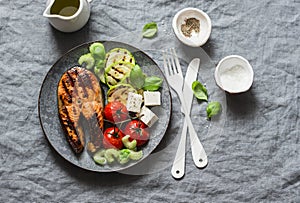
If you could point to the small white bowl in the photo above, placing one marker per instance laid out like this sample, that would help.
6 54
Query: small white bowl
196 39
234 74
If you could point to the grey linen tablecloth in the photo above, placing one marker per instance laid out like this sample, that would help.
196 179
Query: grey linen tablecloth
256 157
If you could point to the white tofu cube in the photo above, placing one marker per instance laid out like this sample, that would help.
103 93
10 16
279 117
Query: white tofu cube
134 102
147 116
152 98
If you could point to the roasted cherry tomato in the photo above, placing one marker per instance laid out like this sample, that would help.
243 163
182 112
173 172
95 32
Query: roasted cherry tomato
115 112
137 130
112 138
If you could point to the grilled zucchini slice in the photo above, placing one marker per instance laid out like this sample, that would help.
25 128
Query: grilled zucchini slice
118 55
117 73
120 93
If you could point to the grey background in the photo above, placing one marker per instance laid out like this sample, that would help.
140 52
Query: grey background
256 158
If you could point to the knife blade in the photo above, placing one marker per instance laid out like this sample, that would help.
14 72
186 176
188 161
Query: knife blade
178 167
190 77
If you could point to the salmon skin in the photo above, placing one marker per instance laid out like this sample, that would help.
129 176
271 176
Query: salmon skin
80 108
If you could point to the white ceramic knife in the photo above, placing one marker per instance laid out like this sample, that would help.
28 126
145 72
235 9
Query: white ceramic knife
198 152
178 167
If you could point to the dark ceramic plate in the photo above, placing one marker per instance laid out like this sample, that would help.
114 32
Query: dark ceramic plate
48 112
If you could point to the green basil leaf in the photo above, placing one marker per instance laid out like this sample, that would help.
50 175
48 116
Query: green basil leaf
149 30
199 90
152 83
137 77
212 109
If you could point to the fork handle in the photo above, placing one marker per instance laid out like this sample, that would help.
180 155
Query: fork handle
178 167
198 152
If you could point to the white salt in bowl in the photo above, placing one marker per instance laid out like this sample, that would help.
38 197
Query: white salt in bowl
196 39
234 74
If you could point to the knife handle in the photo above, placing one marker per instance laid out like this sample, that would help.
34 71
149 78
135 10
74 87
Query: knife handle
198 152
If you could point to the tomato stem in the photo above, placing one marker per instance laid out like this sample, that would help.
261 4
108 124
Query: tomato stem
121 122
116 132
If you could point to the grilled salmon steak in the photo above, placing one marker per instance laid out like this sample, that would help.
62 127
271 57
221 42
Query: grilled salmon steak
80 108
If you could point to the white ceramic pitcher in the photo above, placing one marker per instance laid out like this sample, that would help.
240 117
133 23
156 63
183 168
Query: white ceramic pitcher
67 15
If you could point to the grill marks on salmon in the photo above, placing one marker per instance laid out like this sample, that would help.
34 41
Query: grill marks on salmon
80 107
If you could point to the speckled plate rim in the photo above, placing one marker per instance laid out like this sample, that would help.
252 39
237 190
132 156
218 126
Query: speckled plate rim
61 154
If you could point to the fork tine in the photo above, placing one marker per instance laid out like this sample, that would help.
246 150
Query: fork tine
165 64
169 60
178 67
172 63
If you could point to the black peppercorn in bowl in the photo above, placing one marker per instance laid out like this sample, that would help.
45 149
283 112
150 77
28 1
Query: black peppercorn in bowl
192 26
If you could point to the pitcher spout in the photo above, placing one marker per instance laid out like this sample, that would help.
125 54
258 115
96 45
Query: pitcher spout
47 11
